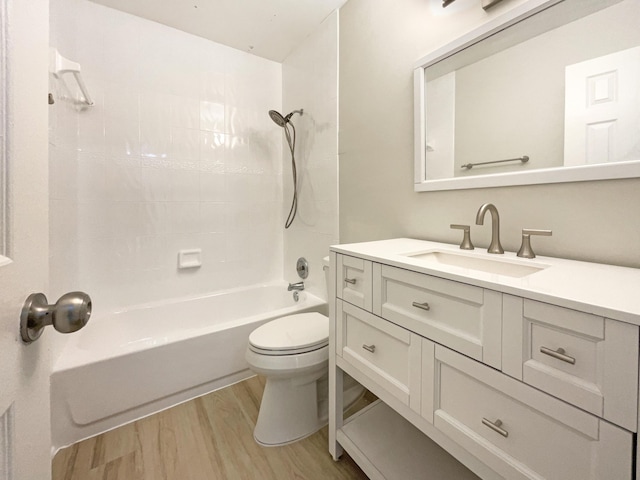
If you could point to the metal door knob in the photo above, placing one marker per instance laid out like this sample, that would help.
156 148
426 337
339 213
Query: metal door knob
69 314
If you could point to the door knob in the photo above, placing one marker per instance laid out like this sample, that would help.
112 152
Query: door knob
69 314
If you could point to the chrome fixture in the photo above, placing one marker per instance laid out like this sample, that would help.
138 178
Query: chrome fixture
70 313
299 286
525 249
285 123
559 354
421 306
302 267
523 159
495 426
466 239
495 246
280 120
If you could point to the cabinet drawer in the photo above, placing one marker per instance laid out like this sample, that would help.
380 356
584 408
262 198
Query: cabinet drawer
388 354
589 361
463 317
523 433
353 281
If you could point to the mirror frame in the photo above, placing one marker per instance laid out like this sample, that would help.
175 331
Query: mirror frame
630 169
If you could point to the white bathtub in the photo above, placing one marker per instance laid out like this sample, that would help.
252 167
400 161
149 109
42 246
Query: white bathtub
133 363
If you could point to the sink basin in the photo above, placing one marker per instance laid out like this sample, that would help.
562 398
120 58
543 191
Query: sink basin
498 266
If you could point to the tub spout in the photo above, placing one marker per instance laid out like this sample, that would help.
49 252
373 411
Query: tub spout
296 286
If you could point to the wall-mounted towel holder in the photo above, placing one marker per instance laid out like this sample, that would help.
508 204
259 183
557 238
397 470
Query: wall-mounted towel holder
59 65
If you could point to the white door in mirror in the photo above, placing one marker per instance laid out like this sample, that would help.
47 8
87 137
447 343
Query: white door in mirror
602 109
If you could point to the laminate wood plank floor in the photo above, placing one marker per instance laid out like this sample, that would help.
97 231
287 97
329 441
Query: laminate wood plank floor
208 438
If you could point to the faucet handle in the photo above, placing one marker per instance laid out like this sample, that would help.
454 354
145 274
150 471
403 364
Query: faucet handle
525 249
466 240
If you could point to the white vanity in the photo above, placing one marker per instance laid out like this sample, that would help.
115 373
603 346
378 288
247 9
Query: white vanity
519 369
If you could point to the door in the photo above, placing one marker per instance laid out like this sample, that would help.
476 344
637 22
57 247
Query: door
24 370
602 109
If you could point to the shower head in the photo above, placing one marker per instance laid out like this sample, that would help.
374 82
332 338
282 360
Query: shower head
279 119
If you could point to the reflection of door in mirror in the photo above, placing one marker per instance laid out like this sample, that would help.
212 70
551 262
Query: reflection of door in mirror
602 109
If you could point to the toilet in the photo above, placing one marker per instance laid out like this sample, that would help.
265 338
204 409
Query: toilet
292 353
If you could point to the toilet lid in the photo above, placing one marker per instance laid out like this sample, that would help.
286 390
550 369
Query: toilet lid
292 334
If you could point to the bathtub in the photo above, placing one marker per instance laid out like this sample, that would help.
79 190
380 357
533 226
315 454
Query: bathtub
130 364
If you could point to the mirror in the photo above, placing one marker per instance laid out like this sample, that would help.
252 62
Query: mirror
548 92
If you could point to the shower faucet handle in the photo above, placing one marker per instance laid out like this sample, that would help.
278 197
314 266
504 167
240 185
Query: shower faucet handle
466 240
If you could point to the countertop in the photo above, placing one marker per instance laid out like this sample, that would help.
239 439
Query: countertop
605 290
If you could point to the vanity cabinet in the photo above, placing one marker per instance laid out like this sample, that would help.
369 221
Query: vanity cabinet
460 316
521 432
353 280
505 385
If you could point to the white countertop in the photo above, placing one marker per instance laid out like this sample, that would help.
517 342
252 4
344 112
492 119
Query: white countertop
605 290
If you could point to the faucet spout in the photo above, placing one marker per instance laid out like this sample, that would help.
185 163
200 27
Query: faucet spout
495 246
299 286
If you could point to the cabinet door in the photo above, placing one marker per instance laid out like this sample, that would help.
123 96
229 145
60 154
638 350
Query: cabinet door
463 317
353 281
386 353
584 359
520 432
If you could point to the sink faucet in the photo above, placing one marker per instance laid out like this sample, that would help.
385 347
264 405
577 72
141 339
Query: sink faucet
296 286
495 246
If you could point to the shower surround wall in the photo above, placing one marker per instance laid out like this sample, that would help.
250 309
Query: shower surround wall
177 153
310 81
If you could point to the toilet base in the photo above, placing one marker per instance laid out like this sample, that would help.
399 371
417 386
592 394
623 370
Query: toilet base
292 409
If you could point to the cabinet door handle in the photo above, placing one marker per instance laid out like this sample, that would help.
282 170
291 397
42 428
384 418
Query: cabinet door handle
369 348
560 354
422 306
352 281
495 426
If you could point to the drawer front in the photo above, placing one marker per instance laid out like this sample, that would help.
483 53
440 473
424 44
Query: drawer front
353 281
463 317
521 432
388 354
589 361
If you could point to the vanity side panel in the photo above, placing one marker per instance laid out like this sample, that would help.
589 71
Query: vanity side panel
335 373
620 382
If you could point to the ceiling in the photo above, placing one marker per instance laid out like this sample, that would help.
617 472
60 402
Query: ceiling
267 28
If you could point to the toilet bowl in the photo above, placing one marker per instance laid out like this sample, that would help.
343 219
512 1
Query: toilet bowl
292 353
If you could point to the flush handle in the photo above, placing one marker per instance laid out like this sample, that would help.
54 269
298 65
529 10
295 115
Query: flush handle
69 314
560 354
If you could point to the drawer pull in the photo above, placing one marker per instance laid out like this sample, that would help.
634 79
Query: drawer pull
559 354
369 348
495 426
423 306
352 281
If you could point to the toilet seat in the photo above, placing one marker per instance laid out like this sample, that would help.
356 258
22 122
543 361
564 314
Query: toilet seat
291 335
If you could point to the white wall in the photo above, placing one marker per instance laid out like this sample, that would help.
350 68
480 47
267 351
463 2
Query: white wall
177 153
310 82
379 43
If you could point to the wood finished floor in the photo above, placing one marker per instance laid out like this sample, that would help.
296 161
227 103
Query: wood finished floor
210 437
